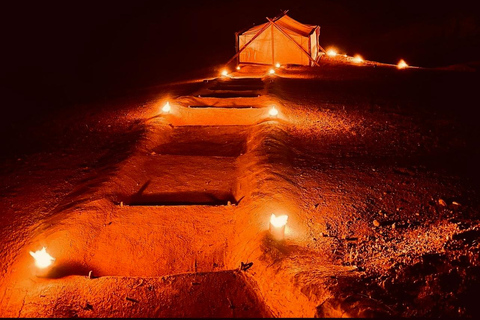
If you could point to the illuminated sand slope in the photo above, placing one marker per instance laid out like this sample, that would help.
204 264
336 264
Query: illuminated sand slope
174 220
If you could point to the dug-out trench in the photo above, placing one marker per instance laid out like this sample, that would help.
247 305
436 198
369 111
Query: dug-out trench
173 209
167 212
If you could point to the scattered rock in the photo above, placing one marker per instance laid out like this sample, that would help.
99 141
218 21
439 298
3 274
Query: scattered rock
87 307
442 202
456 203
376 223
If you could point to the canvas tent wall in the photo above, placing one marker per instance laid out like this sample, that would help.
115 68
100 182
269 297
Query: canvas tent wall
282 40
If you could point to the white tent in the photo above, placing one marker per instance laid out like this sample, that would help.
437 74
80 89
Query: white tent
280 40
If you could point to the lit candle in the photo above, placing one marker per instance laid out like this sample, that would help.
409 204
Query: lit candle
224 72
277 226
43 260
277 65
357 59
271 71
273 111
332 52
238 67
166 108
402 64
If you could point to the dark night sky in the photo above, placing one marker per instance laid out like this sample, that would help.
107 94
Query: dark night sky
58 53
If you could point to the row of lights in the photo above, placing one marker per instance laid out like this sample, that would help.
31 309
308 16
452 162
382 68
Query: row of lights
271 71
331 52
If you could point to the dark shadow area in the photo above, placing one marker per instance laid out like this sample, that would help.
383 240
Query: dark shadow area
68 269
223 107
193 198
240 81
60 54
230 95
238 84
222 87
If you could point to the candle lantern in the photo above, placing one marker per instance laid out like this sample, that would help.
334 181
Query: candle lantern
277 226
166 108
273 112
43 262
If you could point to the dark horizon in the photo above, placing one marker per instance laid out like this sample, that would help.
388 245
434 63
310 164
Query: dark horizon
59 54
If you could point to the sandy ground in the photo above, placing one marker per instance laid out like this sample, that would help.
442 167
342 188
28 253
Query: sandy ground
375 167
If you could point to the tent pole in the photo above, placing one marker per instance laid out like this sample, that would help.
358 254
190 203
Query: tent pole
236 45
318 40
279 28
273 50
251 40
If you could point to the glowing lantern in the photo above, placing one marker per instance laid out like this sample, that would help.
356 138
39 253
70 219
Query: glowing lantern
402 64
357 59
332 52
224 72
277 226
271 71
166 108
238 67
277 65
273 111
42 258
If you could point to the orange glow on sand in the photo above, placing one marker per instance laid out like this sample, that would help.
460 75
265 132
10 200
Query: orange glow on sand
402 64
331 52
273 111
358 59
42 258
166 108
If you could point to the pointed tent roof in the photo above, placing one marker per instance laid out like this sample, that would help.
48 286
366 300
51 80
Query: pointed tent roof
287 24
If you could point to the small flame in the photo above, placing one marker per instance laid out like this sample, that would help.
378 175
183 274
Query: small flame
279 221
224 72
332 52
402 64
238 68
277 65
42 258
166 108
273 111
271 71
358 59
